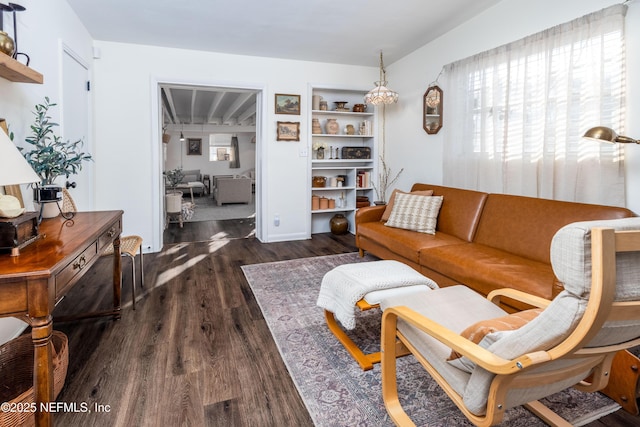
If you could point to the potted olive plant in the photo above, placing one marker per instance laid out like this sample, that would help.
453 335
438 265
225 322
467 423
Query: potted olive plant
174 177
50 156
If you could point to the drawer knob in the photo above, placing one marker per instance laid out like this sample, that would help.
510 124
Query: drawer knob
79 264
111 232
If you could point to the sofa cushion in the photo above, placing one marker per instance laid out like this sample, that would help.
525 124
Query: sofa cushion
392 200
460 210
406 243
414 212
191 176
524 226
485 269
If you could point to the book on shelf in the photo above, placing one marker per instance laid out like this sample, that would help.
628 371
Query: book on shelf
365 128
363 179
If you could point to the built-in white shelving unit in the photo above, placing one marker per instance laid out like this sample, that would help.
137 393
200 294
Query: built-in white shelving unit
333 166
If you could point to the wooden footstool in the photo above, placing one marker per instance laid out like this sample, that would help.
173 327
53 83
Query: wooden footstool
362 286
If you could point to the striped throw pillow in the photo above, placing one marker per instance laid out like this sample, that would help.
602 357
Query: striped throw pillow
414 212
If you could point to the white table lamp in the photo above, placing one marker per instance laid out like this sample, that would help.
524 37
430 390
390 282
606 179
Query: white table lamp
14 169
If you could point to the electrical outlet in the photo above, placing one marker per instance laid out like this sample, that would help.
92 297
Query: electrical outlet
276 220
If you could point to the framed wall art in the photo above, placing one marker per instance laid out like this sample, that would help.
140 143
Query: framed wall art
194 147
287 104
288 131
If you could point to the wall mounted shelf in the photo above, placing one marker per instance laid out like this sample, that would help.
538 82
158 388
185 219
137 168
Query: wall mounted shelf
15 71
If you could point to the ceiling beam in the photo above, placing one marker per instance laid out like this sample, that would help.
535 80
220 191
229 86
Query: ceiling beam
247 113
233 109
217 100
209 128
167 116
171 106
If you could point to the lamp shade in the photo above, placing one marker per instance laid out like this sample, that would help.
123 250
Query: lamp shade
381 95
605 134
14 168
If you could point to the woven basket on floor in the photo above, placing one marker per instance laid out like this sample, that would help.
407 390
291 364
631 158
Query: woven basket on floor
16 373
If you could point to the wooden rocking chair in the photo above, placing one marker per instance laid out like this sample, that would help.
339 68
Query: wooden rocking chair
571 342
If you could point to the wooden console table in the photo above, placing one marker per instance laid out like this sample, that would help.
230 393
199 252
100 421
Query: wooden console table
32 283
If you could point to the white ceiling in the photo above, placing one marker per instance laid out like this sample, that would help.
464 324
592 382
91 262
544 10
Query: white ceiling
334 31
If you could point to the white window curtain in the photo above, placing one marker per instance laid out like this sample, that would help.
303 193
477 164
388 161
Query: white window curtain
517 114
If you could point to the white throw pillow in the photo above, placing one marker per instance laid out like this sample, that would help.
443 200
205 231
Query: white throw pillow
392 199
414 212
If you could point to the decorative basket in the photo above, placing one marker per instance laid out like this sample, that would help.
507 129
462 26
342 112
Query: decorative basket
319 181
16 371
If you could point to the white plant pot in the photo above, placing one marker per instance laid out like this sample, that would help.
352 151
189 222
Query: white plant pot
174 202
50 210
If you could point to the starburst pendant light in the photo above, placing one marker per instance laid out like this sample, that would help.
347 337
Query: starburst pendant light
381 94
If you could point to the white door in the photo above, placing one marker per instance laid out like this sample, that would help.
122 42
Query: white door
75 125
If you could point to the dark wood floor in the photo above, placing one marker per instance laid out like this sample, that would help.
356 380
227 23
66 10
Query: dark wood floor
197 350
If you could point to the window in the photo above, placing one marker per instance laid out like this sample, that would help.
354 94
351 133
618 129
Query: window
220 147
522 109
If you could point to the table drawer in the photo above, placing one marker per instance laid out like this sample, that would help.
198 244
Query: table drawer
14 298
65 278
108 236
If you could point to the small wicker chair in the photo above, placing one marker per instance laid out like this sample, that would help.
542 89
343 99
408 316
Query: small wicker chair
129 246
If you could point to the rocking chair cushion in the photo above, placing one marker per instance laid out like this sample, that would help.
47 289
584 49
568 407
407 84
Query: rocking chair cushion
439 304
573 268
557 321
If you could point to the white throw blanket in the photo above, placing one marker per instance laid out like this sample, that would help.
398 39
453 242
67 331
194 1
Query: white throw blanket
345 285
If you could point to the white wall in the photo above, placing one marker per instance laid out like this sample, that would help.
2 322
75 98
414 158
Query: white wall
126 166
41 37
409 146
42 29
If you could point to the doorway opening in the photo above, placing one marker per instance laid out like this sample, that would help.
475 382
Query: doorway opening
210 142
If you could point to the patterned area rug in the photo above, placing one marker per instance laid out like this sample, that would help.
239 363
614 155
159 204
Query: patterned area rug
334 389
206 209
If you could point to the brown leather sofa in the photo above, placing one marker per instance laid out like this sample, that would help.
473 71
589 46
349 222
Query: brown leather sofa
484 241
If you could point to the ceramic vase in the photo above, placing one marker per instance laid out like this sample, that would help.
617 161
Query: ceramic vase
332 126
316 102
339 224
316 129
